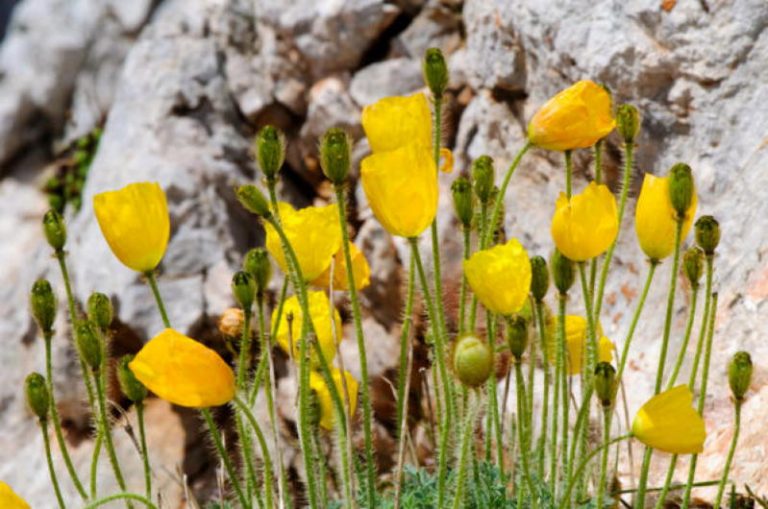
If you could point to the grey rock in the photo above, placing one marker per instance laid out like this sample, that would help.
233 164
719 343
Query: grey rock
398 76
436 26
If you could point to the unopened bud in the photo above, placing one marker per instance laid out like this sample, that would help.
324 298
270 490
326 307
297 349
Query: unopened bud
628 122
36 392
256 263
605 383
244 289
693 265
89 345
55 230
42 301
517 335
472 361
129 384
253 200
539 277
435 71
707 234
562 272
335 148
461 191
740 374
483 176
100 311
270 151
231 322
681 188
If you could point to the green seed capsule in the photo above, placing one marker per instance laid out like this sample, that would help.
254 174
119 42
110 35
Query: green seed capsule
253 200
42 302
37 395
472 361
55 230
100 311
335 155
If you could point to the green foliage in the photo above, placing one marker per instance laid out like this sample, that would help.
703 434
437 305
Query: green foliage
66 186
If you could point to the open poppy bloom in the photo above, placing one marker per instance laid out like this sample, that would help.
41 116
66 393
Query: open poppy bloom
361 271
586 225
325 319
324 399
9 499
668 422
500 277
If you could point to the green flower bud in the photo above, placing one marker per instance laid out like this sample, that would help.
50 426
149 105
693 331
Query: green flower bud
562 272
740 374
435 71
129 384
693 265
605 383
89 345
256 263
100 311
335 147
472 361
707 234
42 301
461 191
244 289
253 200
628 122
55 230
37 395
483 176
517 335
681 188
270 151
539 277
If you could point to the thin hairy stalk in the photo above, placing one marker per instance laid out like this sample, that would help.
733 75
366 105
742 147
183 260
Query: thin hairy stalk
95 462
568 174
686 339
144 450
561 304
533 356
494 219
599 160
257 379
704 322
521 438
604 456
539 310
674 487
268 480
492 396
636 318
107 434
731 451
463 290
152 281
121 496
49 459
466 439
559 367
481 229
219 444
246 447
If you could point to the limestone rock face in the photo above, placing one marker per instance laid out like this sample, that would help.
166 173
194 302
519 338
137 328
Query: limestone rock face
183 85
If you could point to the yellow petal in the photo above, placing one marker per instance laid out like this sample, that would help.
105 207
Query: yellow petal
393 122
314 234
9 499
577 117
327 326
605 350
317 384
575 339
655 221
500 277
361 271
586 226
184 371
669 423
401 187
134 221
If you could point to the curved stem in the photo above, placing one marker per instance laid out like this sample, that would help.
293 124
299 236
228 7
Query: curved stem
144 450
731 451
539 308
49 459
95 462
604 456
492 396
559 368
704 323
463 290
219 444
152 281
121 496
243 362
466 438
660 502
686 339
481 229
564 384
107 434
636 318
502 191
268 480
524 446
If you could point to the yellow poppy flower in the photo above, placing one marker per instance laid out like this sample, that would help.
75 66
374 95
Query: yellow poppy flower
586 226
575 118
9 499
668 422
184 371
134 221
500 277
655 221
325 402
393 122
576 341
320 313
401 187
314 234
360 269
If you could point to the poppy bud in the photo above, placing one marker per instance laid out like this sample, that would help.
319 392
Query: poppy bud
270 151
37 395
131 387
693 264
562 272
461 190
628 122
335 155
253 200
707 234
100 311
483 176
231 322
256 263
681 188
472 361
539 278
55 230
435 71
517 335
42 301
740 374
89 345
605 383
244 289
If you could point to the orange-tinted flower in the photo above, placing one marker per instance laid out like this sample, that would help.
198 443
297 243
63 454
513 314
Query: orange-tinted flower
360 270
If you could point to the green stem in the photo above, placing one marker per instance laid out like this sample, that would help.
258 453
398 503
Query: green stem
463 291
243 363
592 351
246 447
539 308
95 462
144 450
49 459
599 160
524 446
48 336
120 496
568 174
502 191
661 501
268 480
686 339
731 451
219 444
152 281
492 396
466 439
636 318
107 434
604 456
704 323
481 229
564 383
702 484
530 387
559 367
256 385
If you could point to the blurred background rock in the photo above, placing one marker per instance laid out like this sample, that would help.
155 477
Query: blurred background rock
174 90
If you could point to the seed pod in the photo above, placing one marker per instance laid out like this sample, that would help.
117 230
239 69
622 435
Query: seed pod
605 383
42 302
253 200
270 151
707 234
335 157
37 395
55 230
244 289
693 264
628 122
740 374
472 361
89 345
681 188
256 263
100 311
435 71
517 335
461 192
562 272
539 277
129 384
483 176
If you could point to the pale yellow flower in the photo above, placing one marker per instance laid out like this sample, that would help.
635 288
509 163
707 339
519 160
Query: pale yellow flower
587 225
326 323
9 499
361 271
668 422
324 399
393 122
500 277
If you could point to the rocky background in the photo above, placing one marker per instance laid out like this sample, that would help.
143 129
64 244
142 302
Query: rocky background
181 86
